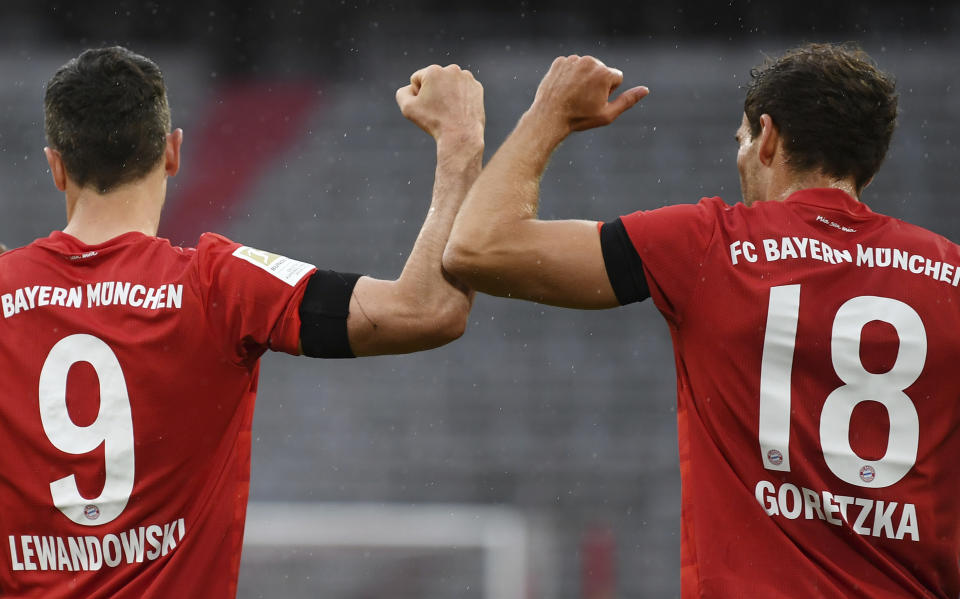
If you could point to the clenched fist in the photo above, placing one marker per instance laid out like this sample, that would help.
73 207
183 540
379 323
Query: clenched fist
444 101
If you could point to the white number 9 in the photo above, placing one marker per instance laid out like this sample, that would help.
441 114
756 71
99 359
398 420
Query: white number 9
113 428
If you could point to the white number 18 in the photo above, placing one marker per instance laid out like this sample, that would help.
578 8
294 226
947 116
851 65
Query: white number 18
859 385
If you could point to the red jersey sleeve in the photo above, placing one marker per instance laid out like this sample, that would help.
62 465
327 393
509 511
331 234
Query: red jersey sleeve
251 297
671 243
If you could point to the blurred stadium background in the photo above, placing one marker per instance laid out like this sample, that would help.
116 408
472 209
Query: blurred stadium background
544 433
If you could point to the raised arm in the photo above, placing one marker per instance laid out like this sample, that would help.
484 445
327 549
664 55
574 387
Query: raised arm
498 245
425 307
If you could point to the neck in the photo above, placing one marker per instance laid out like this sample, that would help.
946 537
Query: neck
94 218
781 190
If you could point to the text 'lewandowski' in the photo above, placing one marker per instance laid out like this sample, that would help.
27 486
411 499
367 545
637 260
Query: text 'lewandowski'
145 543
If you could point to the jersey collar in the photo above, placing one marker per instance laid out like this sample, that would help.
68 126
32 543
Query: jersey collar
832 199
71 247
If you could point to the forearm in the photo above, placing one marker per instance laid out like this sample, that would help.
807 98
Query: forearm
423 308
459 161
502 202
498 245
508 190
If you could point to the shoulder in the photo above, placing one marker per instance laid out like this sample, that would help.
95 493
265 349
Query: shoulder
700 219
215 241
35 251
216 244
912 232
220 256
8 255
213 247
705 208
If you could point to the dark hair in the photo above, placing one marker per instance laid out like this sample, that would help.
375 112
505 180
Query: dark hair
835 110
106 113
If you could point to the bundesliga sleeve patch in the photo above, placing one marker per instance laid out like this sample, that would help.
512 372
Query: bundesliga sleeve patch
286 269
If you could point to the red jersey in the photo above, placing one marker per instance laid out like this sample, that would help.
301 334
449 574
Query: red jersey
129 374
816 350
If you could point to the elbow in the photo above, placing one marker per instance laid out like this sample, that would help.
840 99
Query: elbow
454 327
450 322
463 263
454 259
434 329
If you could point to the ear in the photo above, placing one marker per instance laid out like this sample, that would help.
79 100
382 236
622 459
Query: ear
172 153
57 170
769 140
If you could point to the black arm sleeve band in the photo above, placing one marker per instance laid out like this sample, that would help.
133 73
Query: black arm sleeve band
323 314
623 264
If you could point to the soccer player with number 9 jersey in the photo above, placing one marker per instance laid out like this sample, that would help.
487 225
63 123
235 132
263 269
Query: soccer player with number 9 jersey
815 340
130 365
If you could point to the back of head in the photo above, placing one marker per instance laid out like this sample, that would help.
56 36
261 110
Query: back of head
107 114
835 110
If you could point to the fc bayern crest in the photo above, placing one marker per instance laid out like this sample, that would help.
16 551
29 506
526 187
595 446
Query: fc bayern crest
775 457
867 474
92 512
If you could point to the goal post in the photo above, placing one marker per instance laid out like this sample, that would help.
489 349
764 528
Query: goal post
501 534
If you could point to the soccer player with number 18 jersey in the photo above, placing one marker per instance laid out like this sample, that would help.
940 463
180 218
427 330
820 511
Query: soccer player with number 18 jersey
130 365
815 340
